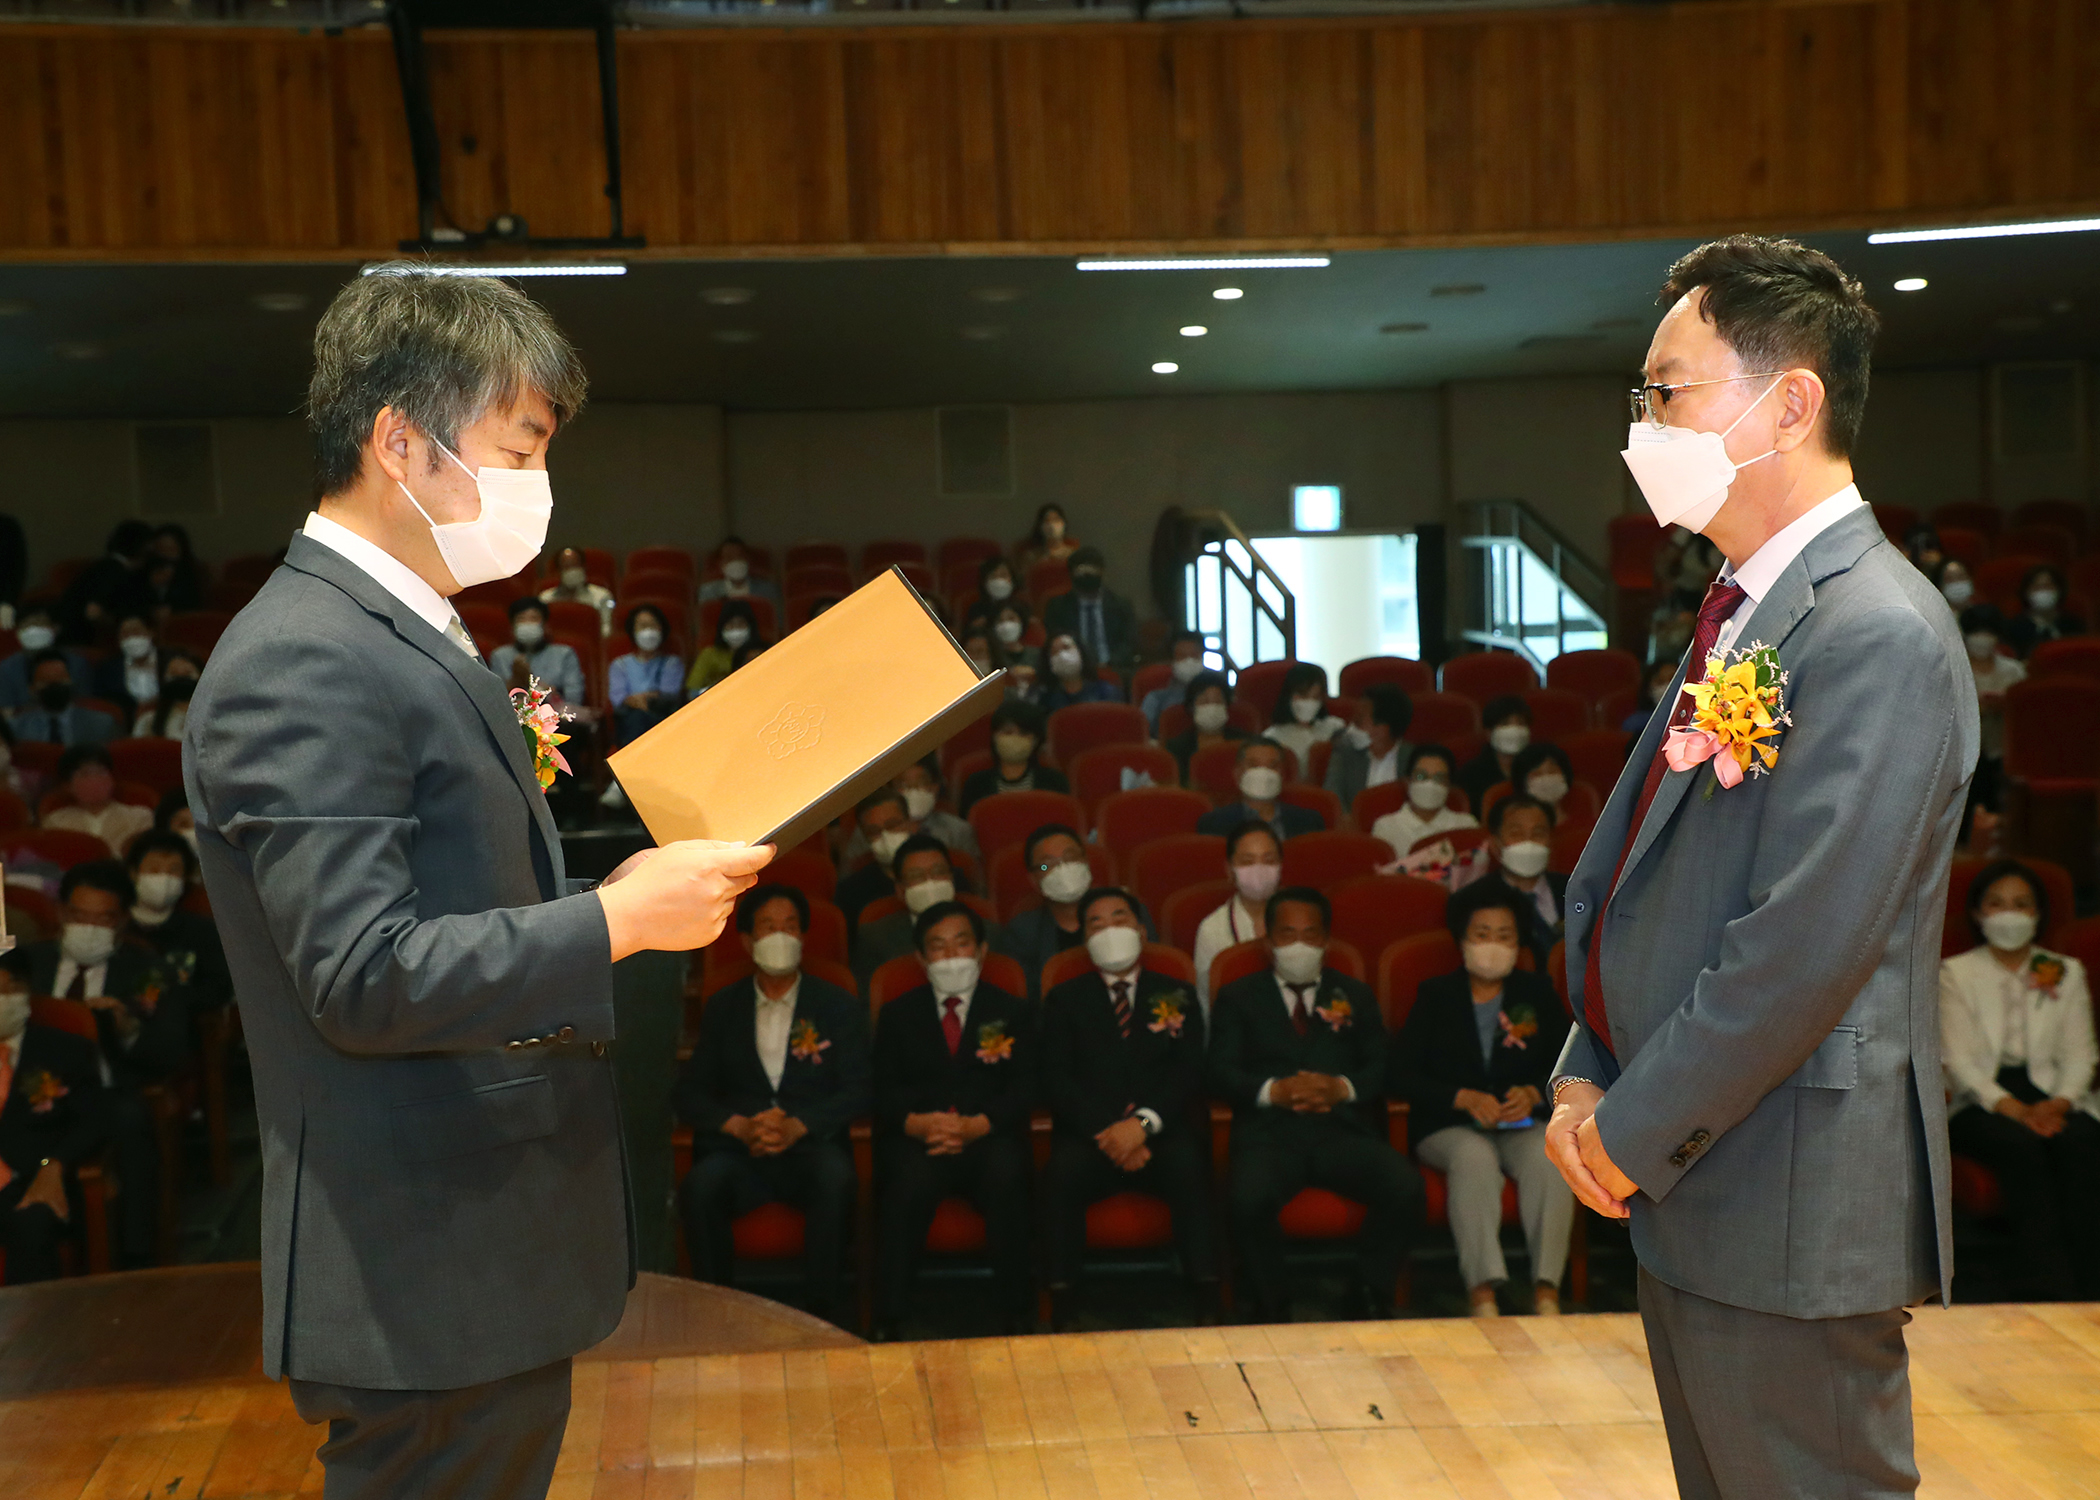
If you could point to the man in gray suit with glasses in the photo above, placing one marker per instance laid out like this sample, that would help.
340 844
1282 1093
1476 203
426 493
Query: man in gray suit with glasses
1753 938
427 998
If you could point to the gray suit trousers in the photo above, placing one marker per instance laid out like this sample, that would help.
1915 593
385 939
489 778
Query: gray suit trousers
1757 1404
496 1441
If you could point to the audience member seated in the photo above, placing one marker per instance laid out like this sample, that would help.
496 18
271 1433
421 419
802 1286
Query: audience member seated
11 774
1072 677
736 582
85 771
1099 620
920 782
647 684
954 1083
1542 771
1654 684
1017 745
111 586
1519 842
52 1122
996 584
1472 1061
1185 661
174 580
1024 663
977 645
736 629
1299 1052
130 676
172 813
1921 544
885 825
1123 1074
163 869
1057 863
1260 765
53 716
2044 592
1301 719
142 1024
779 1073
36 631
2017 1044
1254 864
528 653
168 714
1426 812
1982 629
1956 585
922 877
1046 539
1208 699
1508 721
573 585
1374 750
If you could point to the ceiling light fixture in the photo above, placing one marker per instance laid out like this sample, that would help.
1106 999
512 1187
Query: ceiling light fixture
1165 367
728 296
1228 294
1219 263
1194 331
1912 284
585 268
1982 231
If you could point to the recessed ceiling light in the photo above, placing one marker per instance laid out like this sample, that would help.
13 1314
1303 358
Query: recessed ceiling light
728 296
1403 328
1982 231
983 332
425 268
997 293
1911 284
1194 331
279 302
735 335
1458 289
1212 263
1228 294
1165 367
77 349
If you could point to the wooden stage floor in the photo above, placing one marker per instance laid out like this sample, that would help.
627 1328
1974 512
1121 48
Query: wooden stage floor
704 1393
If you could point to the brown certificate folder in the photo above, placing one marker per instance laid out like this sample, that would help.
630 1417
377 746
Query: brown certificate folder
777 749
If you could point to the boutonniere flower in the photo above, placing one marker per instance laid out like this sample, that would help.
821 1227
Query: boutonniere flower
1518 1030
43 1090
2045 971
993 1043
1168 1013
1738 711
1336 1012
541 722
149 993
804 1044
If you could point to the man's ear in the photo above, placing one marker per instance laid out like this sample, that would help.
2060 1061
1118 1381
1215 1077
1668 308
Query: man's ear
388 443
1803 396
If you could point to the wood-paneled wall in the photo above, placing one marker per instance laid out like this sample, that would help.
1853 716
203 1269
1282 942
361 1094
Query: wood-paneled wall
1343 133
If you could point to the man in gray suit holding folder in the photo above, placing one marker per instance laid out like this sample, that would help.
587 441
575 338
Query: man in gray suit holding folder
427 998
1754 928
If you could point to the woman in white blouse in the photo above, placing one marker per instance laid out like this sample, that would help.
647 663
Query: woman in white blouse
1254 861
1427 812
1301 720
2017 1044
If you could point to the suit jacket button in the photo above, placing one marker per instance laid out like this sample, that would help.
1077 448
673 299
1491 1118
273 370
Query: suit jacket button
597 1049
512 1046
566 1034
1677 1158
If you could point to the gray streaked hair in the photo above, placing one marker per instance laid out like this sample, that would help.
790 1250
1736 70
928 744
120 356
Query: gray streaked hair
444 351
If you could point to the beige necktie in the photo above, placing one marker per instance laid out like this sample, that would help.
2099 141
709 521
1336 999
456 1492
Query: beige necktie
456 633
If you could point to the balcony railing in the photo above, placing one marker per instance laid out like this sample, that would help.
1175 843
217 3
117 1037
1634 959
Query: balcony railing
1532 591
1235 600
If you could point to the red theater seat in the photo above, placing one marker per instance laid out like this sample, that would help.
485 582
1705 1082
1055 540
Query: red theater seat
1097 774
1156 870
1482 675
1127 821
1404 672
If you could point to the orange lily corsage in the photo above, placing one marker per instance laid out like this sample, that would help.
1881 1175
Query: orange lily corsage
1737 717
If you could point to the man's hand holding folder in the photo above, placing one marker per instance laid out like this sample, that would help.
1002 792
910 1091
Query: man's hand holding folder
678 897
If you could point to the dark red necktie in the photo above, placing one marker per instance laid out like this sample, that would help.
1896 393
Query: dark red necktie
1300 1006
951 1023
1722 600
1121 990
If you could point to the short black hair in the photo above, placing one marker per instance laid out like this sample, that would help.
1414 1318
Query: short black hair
1420 752
1536 754
48 655
1184 634
1019 714
1201 683
1508 706
1984 616
1305 895
161 841
2041 570
991 565
1300 677
107 875
920 843
1085 557
1240 831
77 756
940 912
747 910
736 609
1104 893
1989 876
529 601
173 801
876 798
1501 811
1470 901
647 609
1391 707
1780 305
1048 831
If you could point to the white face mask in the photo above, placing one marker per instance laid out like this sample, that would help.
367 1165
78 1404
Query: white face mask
2007 931
1065 663
1684 474
1356 737
529 635
1958 591
505 536
927 893
918 801
1013 749
954 976
159 892
736 634
1068 881
884 845
1428 796
2041 601
1007 631
14 1014
139 647
1114 949
574 578
1509 739
1187 669
1525 860
777 953
1299 963
36 637
1548 787
648 638
1260 783
1210 717
87 944
998 588
1490 961
736 570
1305 710
1982 644
1257 883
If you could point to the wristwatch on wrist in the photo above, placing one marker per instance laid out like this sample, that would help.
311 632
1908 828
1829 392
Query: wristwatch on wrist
1561 1083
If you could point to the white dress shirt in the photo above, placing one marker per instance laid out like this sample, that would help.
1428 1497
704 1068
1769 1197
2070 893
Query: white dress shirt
384 569
962 1011
1290 1007
772 1023
1130 976
1403 829
1383 768
13 1045
68 971
1757 575
1991 1017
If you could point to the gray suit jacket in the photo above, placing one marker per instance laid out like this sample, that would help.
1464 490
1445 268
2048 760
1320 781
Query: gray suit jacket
444 1181
1771 961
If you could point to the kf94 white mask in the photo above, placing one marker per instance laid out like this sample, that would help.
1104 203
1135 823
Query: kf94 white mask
1684 474
509 532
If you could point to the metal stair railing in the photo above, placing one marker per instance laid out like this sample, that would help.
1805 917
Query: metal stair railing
1531 591
1232 597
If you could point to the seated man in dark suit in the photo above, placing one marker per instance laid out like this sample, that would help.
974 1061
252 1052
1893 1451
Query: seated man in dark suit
1299 1052
885 823
51 1121
1261 764
163 868
1102 622
53 716
778 1076
922 876
1058 868
954 1083
1123 1073
142 1018
36 631
1520 839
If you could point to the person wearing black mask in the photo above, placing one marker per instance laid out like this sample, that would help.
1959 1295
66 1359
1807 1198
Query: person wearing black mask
36 632
56 718
1102 622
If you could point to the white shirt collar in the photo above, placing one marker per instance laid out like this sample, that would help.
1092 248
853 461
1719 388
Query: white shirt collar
383 568
1756 576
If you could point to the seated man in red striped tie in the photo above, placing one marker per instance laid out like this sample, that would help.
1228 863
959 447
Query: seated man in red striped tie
1299 1052
1123 1075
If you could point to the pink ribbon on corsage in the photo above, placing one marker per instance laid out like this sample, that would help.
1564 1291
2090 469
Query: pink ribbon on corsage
1685 749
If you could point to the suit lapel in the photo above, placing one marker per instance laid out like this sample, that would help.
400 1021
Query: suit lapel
487 694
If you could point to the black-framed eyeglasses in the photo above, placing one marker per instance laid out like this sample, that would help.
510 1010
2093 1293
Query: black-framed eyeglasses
1651 403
